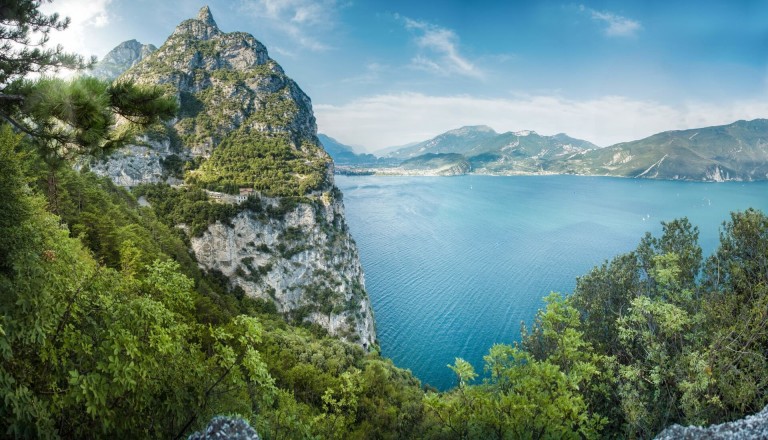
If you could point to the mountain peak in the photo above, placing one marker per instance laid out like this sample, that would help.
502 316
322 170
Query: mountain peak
472 129
206 17
121 58
202 27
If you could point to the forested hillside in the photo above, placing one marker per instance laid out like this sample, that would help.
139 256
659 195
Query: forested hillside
109 329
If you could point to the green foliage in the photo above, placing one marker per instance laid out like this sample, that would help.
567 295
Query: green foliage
736 289
464 372
360 396
524 398
13 186
645 341
268 164
133 347
69 118
688 347
190 207
87 350
110 329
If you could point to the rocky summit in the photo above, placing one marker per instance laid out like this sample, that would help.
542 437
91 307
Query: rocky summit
245 128
121 58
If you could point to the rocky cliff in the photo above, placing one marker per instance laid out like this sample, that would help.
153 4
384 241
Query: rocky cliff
750 427
121 58
304 260
245 126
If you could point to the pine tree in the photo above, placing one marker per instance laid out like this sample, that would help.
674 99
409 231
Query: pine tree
66 118
20 22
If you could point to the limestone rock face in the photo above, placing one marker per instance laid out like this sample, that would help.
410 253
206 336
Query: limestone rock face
750 427
233 95
137 164
305 261
226 428
121 58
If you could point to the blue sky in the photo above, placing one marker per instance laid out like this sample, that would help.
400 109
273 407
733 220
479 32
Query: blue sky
384 73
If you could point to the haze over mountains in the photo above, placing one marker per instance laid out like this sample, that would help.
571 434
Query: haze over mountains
126 55
737 151
344 153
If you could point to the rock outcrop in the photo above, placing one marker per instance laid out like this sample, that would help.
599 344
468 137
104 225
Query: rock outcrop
304 260
121 58
750 427
237 105
226 428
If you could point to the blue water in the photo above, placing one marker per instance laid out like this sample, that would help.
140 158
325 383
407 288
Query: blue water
455 264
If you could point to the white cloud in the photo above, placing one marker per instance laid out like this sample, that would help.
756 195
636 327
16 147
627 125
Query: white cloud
388 120
618 26
440 52
86 15
301 20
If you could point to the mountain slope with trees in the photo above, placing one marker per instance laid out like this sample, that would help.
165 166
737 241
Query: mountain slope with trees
245 130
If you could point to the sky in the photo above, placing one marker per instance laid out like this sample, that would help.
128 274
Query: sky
388 73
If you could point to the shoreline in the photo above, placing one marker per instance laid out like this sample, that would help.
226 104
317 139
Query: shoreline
399 172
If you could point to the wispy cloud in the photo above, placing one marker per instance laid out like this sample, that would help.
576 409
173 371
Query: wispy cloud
381 121
439 50
372 74
617 26
303 21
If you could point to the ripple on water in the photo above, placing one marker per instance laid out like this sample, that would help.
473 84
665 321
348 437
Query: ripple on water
453 265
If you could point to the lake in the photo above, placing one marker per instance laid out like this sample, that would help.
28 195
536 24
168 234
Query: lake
455 264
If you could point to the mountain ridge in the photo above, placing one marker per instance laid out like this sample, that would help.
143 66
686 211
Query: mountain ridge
344 154
736 151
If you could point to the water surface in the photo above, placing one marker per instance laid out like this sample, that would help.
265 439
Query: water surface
455 264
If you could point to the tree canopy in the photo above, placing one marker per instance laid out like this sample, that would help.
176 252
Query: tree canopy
65 117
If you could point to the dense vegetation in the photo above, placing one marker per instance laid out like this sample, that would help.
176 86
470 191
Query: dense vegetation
266 163
116 333
651 338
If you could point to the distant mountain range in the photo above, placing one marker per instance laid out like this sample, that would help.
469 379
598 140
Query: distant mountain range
462 140
344 156
737 151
